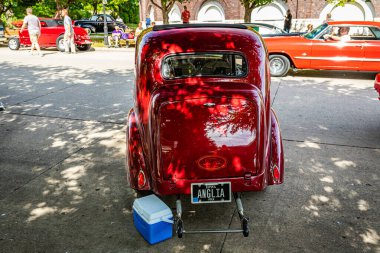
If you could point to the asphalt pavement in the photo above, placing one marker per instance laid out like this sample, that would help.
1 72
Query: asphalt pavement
62 163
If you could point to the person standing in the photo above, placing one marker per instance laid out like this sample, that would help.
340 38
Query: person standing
139 30
288 21
185 15
34 29
328 18
69 32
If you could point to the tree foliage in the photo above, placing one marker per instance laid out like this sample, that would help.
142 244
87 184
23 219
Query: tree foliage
128 10
340 2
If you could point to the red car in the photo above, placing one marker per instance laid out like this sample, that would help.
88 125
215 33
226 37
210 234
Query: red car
202 123
360 52
52 31
377 84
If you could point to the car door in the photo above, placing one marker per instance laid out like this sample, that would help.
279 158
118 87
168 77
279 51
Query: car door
99 24
339 55
45 36
372 49
110 24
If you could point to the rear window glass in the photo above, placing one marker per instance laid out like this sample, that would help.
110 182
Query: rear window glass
52 22
204 64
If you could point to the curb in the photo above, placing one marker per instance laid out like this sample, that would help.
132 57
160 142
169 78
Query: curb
112 49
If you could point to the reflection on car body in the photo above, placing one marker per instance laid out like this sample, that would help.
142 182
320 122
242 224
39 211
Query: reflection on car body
312 51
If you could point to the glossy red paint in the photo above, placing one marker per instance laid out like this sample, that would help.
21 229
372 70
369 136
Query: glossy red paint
51 30
377 84
177 123
312 51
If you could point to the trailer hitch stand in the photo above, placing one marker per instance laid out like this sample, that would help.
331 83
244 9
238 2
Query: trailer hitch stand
243 219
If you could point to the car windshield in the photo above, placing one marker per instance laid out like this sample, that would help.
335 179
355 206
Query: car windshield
316 31
204 64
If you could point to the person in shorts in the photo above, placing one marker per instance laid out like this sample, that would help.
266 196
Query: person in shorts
68 37
34 29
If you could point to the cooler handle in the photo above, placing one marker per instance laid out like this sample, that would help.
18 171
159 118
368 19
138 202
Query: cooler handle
167 220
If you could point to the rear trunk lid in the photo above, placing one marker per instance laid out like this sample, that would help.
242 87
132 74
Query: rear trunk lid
207 138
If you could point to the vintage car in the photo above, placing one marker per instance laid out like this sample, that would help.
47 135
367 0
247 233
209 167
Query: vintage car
377 84
202 123
95 24
267 30
52 31
313 51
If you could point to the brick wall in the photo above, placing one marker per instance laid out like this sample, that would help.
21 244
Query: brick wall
233 10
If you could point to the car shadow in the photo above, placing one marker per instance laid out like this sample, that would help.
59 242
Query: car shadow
333 74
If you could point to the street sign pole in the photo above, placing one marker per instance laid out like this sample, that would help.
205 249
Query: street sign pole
105 23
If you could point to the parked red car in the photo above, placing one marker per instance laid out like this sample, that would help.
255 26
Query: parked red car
377 84
313 51
52 31
202 123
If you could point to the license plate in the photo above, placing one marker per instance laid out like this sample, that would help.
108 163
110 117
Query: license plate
210 192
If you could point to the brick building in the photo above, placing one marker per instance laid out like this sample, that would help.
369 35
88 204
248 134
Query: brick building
231 11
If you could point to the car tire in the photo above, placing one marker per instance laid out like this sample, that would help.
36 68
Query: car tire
88 30
60 44
14 44
279 65
85 47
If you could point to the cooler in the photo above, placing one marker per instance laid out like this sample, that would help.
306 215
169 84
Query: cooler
153 219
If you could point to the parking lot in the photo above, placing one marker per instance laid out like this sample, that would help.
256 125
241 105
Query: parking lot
62 163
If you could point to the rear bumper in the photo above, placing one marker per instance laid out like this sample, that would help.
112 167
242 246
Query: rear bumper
183 186
83 42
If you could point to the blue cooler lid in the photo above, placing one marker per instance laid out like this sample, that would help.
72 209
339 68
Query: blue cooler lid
152 209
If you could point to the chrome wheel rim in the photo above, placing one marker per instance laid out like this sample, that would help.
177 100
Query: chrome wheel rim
61 45
276 65
13 44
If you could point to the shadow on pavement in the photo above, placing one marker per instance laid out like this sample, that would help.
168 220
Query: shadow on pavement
63 181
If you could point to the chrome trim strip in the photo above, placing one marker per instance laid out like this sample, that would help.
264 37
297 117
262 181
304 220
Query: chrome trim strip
338 59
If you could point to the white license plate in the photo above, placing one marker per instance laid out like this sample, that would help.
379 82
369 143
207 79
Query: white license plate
211 192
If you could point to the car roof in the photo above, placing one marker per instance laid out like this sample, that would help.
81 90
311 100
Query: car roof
371 23
258 23
202 25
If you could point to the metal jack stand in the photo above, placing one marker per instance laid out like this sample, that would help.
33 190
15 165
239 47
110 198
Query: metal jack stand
180 230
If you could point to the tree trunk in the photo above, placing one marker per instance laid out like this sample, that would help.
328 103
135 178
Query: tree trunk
95 7
247 14
165 16
58 10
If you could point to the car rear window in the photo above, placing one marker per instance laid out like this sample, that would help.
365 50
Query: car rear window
51 22
204 64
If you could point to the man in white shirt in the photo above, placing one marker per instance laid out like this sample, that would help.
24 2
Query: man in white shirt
342 35
34 29
69 32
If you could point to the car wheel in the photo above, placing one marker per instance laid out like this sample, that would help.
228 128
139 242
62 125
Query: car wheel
279 65
88 30
14 44
84 47
60 43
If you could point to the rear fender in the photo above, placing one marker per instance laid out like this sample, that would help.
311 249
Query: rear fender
134 155
276 173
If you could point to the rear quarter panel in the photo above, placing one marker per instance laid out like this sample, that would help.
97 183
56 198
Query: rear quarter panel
293 47
371 55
